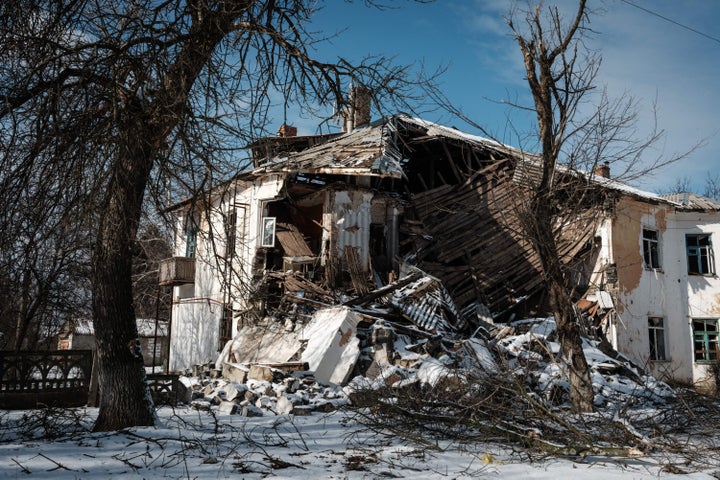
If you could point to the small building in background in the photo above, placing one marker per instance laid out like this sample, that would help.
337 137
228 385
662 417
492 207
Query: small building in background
79 334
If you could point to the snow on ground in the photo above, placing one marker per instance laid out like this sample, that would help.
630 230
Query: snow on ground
194 444
204 441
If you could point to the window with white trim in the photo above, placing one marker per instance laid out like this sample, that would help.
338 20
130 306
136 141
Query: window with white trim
656 330
651 248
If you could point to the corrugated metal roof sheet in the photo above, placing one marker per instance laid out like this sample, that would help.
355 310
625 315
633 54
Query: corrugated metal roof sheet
692 201
429 305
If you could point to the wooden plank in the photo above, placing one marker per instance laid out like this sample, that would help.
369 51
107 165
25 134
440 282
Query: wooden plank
357 274
292 241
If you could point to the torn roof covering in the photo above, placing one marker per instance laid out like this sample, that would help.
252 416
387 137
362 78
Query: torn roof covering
371 150
368 150
692 202
361 152
429 305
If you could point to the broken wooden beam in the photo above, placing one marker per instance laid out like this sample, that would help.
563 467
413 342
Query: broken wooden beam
382 291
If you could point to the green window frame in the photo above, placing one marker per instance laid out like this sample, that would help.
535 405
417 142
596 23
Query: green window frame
705 339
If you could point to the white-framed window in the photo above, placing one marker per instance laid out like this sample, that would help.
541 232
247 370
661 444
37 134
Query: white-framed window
656 330
651 248
267 234
700 256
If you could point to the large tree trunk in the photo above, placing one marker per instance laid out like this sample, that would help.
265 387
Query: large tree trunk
572 355
124 398
581 392
142 131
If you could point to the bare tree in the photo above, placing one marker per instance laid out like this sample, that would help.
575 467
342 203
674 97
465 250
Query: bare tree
712 186
125 97
580 132
152 245
556 83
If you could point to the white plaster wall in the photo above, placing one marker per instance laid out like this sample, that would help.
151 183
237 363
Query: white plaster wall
670 293
702 292
197 308
194 333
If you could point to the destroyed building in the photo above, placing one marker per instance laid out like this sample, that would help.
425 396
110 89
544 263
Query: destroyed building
413 216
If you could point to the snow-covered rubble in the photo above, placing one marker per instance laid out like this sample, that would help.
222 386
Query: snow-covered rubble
296 393
334 343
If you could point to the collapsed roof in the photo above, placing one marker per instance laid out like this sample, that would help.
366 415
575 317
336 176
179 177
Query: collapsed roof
459 191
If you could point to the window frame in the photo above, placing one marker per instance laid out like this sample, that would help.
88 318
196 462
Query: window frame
267 232
657 337
700 257
708 339
230 226
651 246
191 234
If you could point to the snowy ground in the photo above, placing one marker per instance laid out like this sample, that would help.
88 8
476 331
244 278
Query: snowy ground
210 445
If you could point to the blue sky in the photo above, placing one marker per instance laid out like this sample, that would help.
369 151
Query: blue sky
654 60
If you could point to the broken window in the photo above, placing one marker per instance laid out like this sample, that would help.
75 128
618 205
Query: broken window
705 338
651 244
701 260
656 328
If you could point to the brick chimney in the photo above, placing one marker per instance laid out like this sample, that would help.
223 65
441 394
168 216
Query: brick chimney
358 112
602 170
286 130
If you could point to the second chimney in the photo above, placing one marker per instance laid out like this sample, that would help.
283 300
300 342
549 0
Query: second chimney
286 130
602 170
358 112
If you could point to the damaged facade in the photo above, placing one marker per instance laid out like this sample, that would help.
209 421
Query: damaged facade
658 262
398 219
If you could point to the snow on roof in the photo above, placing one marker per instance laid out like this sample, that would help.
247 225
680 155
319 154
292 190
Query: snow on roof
437 130
360 152
367 150
692 201
630 190
83 327
145 326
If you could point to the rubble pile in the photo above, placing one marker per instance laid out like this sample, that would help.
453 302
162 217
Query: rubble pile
260 390
339 355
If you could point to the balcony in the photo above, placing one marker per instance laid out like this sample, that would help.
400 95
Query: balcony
177 271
